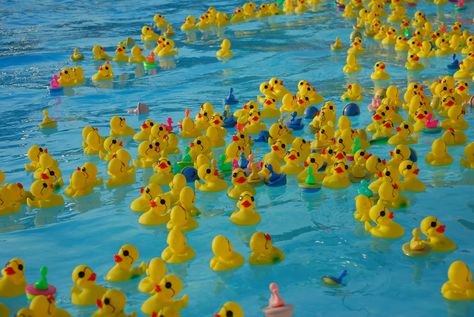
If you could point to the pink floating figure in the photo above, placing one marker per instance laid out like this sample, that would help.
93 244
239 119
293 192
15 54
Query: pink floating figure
276 305
140 109
375 104
431 124
54 84
169 127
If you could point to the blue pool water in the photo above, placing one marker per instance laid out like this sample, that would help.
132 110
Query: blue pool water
317 232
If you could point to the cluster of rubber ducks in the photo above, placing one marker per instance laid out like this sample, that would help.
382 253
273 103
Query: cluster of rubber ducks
417 37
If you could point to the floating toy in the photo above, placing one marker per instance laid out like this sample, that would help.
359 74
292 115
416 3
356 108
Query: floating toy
148 34
120 54
224 53
99 53
119 127
225 258
385 227
158 212
337 45
110 146
150 62
273 177
13 281
148 155
409 171
413 62
54 86
165 292
177 250
123 269
43 196
167 48
155 271
147 194
404 135
82 181
231 99
93 142
439 154
468 159
47 122
455 63
263 251
353 93
334 281
379 72
44 306
310 112
112 304
351 109
351 64
363 204
465 69
459 285
276 305
295 123
310 184
434 231
338 177
215 132
246 215
105 72
210 176
137 55
119 170
182 214
85 291
454 137
41 287
455 119
145 131
189 24
239 182
416 246
76 56
293 164
230 309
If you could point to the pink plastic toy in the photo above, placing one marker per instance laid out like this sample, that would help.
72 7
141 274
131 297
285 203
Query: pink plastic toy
169 127
431 124
276 305
235 164
54 84
140 109
374 104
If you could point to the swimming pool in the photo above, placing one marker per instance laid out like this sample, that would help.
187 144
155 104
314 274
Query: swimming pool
317 232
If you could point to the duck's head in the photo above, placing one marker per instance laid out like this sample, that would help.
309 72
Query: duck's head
254 117
462 87
205 112
156 269
225 45
160 204
216 120
14 269
105 70
460 274
390 174
379 67
117 123
401 152
112 302
150 191
159 132
178 183
25 312
176 240
439 148
98 50
169 286
158 18
344 142
90 170
355 89
123 156
41 189
293 156
168 44
266 88
187 197
380 214
136 52
340 168
279 148
207 173
13 192
339 156
250 106
238 11
78 72
456 28
83 276
412 57
456 113
51 173
276 83
405 129
329 106
146 30
179 217
230 309
222 247
246 201
121 49
361 157
420 114
43 306
249 7
278 129
357 42
67 74
379 115
190 19
238 176
327 154
201 144
326 133
375 165
400 40
301 145
233 150
388 191
126 256
431 226
314 160
78 179
147 150
35 152
87 130
408 169
260 242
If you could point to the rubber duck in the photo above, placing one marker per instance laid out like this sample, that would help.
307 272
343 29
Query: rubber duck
147 194
443 47
165 292
238 15
225 258
119 127
379 72
45 306
182 214
230 309
337 45
47 122
225 52
338 177
120 172
110 146
155 272
123 269
66 77
278 86
454 137
390 36
239 183
356 47
43 196
465 69
468 159
292 163
158 213
246 215
307 95
188 127
398 13
254 125
167 48
99 53
413 62
8 205
269 108
137 55
112 304
148 34
353 93
13 281
416 246
401 44
202 118
93 142
385 227
215 132
358 169
462 89
315 161
459 285
177 251
351 64
147 155
78 186
277 152
363 204
409 171
333 281
323 137
76 56
120 54
212 183
439 154
302 146
434 231
85 291
455 119
189 24
145 130
404 135
263 251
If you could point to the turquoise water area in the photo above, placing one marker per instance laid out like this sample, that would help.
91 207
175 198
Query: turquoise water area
316 231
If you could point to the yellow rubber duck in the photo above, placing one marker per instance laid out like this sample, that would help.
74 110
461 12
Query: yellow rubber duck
123 269
119 170
189 24
148 34
225 258
119 127
401 44
67 77
158 213
454 137
390 36
110 145
293 164
45 307
404 134
468 159
76 56
315 161
181 217
137 55
375 165
112 304
78 185
323 136
120 54
363 204
385 227
356 47
263 251
455 119
338 177
443 47
409 171
147 155
239 184
278 86
302 146
459 285
353 93
306 90
163 172
389 195
246 215
165 292
439 154
210 176
105 72
4 311
9 204
47 122
242 114
177 250
188 127
215 132
145 130
416 246
358 169
167 48
99 53
351 64
200 145
237 16
270 109
379 72
413 62
225 52
43 196
147 194
155 272
277 152
176 186
85 291
249 9
279 131
253 124
230 308
13 281
434 231
93 142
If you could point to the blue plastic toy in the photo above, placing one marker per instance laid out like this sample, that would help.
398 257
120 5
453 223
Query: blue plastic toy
334 281
243 162
262 136
230 99
455 63
351 109
275 179
295 123
310 112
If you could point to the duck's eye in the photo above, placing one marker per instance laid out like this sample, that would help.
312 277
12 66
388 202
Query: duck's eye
312 160
276 81
242 136
379 160
147 190
251 107
198 142
157 144
151 124
150 146
362 153
433 224
234 175
405 126
162 201
41 149
387 173
81 274
306 98
346 166
382 213
208 171
266 87
280 127
169 163
161 128
340 141
397 151
416 86
106 67
229 313
205 114
323 131
51 173
106 301
66 72
45 185
283 146
114 141
258 113
330 151
408 167
147 29
20 267
125 252
168 285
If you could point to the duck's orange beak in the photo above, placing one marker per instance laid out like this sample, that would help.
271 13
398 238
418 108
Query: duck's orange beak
117 258
246 204
92 277
441 229
9 271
